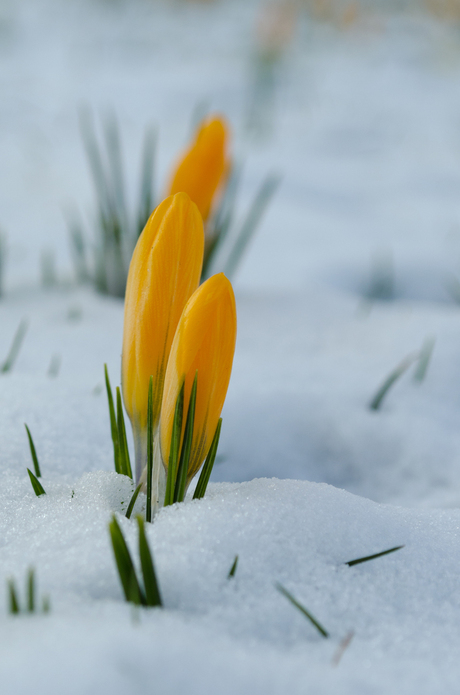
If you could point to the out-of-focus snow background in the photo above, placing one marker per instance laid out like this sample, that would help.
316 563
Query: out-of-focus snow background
363 125
363 128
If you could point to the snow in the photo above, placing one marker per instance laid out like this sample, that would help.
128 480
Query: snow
219 634
365 133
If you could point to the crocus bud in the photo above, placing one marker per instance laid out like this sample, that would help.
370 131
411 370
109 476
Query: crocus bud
204 165
164 272
204 344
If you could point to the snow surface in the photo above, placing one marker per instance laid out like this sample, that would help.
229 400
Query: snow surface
219 635
365 133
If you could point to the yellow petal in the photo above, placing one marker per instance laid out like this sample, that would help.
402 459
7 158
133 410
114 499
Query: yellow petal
204 341
203 166
164 272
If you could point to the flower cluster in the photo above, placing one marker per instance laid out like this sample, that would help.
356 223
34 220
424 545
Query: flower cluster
178 333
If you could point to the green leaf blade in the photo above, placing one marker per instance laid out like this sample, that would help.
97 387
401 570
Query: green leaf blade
132 502
33 453
179 492
125 463
251 222
174 448
147 196
37 486
303 610
148 508
391 379
351 563
425 358
206 471
151 589
31 590
13 602
233 568
125 566
18 339
113 422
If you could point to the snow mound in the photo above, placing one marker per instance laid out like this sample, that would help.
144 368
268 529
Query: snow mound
225 635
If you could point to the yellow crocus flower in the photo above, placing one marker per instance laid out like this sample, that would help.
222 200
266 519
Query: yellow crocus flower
204 344
164 272
202 168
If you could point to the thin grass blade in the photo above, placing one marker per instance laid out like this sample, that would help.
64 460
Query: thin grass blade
216 235
13 601
147 197
46 604
425 358
206 471
152 591
93 154
226 209
15 347
115 172
179 492
391 379
135 593
78 248
31 590
210 249
125 463
302 609
100 273
37 486
148 507
113 422
251 222
373 557
174 450
233 568
136 492
125 565
110 252
33 453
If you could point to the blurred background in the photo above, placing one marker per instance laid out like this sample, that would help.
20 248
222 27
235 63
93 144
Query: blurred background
355 104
